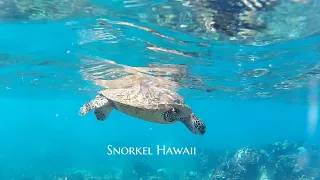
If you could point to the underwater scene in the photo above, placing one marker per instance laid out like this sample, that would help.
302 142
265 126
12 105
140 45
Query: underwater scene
159 90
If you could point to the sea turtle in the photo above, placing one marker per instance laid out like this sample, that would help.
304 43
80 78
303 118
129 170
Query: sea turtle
150 103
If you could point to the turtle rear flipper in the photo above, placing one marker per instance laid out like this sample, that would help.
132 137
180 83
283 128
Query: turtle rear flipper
99 102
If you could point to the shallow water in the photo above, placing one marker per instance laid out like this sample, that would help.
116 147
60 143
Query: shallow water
249 92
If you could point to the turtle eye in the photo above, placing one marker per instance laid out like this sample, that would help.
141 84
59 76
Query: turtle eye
174 110
177 101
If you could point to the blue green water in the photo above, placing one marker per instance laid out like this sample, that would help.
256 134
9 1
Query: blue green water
42 88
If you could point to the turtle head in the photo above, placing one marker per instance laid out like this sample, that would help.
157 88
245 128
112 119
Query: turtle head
194 124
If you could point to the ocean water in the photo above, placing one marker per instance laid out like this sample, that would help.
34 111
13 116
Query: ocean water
255 93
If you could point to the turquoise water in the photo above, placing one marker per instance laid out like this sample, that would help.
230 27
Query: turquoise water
247 95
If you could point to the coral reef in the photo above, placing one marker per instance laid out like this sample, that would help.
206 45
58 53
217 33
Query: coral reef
278 161
245 164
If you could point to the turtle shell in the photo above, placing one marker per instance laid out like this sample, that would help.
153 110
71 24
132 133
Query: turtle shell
143 96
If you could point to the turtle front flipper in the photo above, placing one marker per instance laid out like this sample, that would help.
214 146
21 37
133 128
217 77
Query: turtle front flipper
101 105
103 112
194 124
